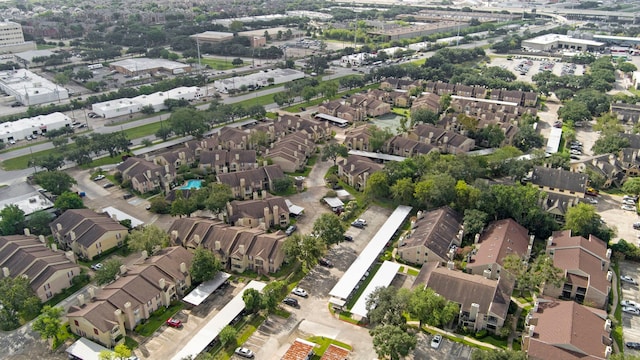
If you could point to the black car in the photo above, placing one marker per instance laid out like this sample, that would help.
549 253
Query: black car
108 185
348 238
291 302
127 196
633 345
358 224
325 262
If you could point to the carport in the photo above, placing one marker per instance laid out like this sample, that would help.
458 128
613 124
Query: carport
347 283
202 292
212 329
382 278
294 210
85 349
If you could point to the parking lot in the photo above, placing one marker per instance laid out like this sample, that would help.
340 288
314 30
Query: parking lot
630 323
448 349
525 67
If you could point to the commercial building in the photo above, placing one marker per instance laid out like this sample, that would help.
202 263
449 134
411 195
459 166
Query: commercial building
38 125
552 42
12 38
127 106
30 89
212 37
26 57
407 32
259 79
29 203
138 66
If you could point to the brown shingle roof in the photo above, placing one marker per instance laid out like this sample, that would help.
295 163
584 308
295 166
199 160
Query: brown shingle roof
560 179
299 350
335 352
502 238
436 230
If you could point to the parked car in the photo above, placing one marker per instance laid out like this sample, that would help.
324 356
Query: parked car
127 196
576 152
359 223
629 197
629 202
97 266
291 302
98 178
244 352
628 279
436 341
631 310
592 201
300 292
636 225
633 345
108 185
629 303
363 221
348 238
291 229
628 207
325 262
175 323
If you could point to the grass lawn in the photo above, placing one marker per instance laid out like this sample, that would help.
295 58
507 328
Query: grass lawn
158 319
260 100
218 64
413 272
501 343
324 343
363 286
347 317
130 343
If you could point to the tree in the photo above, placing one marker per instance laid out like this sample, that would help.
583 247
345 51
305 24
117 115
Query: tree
48 324
252 300
68 200
272 293
308 92
188 121
182 206
332 151
474 221
329 228
386 305
228 336
12 220
204 266
627 67
423 116
51 161
282 185
479 354
108 272
436 190
149 239
56 182
219 195
307 249
39 223
163 133
120 352
259 138
402 191
609 142
378 137
392 342
430 308
574 111
533 276
18 301
583 220
632 186
527 138
237 62
377 186
490 136
445 101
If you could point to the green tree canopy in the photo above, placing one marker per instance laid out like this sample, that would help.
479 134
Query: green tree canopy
204 266
632 186
12 220
68 200
252 300
332 151
329 228
219 195
228 336
39 223
49 324
18 302
386 306
56 182
392 342
110 269
149 238
583 220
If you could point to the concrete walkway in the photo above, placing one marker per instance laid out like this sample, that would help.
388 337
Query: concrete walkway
453 336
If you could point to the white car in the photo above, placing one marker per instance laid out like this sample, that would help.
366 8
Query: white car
591 200
628 202
628 197
362 221
98 178
628 279
436 341
628 207
576 152
300 292
97 266
631 310
629 303
244 352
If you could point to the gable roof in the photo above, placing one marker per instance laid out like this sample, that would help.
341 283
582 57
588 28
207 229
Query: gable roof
435 230
255 208
559 179
492 296
299 350
567 330
87 225
335 352
356 165
500 239
265 173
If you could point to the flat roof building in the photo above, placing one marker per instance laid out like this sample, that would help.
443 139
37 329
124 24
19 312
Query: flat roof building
212 36
26 57
30 89
28 203
551 42
259 79
12 38
406 32
137 66
126 106
19 129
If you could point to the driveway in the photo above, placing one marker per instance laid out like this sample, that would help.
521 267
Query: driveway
630 323
609 209
448 349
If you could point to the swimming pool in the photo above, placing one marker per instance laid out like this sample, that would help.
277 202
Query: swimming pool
192 184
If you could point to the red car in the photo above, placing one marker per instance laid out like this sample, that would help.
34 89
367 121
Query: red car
174 323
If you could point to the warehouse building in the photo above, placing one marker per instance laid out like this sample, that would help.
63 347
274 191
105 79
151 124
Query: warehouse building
552 42
257 80
212 37
38 125
140 66
128 106
30 89
407 32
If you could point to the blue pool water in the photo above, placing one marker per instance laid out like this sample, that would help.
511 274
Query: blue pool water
192 184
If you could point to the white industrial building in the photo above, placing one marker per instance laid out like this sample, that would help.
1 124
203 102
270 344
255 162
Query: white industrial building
138 66
128 106
29 203
259 79
30 89
552 42
419 46
354 59
20 129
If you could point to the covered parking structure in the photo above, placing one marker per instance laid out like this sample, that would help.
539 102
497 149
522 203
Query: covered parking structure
212 329
342 291
202 292
382 278
333 120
